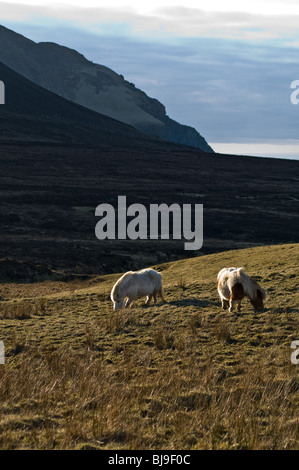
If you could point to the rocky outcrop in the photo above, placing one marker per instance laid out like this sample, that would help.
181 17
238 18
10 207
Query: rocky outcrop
69 74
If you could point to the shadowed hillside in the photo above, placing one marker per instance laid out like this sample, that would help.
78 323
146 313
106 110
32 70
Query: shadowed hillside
178 375
49 195
69 74
34 114
59 161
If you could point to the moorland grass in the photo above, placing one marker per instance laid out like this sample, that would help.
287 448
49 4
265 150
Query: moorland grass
178 375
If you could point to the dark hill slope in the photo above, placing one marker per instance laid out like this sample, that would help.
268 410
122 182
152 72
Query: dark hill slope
49 194
68 73
58 161
32 113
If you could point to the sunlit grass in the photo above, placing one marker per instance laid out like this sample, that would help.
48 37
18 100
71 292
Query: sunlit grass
178 375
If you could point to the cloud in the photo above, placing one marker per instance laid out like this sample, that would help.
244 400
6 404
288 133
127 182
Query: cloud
226 74
164 22
226 89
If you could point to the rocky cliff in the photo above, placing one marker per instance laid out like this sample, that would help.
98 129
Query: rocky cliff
69 74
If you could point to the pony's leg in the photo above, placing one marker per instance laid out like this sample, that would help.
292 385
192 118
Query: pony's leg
239 305
225 304
148 299
155 297
130 302
162 294
231 305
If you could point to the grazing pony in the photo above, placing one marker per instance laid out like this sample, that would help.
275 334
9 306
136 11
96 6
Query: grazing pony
135 284
234 284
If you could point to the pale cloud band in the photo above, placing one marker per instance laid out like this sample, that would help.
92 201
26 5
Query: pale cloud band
166 20
278 149
226 73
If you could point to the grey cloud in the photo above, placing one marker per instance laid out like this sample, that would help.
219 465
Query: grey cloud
171 21
228 90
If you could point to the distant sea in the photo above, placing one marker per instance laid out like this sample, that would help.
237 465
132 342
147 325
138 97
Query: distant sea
288 150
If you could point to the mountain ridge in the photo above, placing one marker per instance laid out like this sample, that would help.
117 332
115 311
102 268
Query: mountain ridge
69 74
34 114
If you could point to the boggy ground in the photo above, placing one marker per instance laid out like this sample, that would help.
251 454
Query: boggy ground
178 375
49 194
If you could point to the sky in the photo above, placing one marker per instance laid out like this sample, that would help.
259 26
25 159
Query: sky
225 68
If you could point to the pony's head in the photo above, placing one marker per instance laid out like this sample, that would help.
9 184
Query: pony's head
258 301
117 299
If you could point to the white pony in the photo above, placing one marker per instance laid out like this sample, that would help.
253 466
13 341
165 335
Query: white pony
135 284
234 284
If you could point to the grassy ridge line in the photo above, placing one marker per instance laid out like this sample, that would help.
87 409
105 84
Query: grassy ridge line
179 375
256 261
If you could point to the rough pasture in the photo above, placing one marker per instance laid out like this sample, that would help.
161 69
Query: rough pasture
179 375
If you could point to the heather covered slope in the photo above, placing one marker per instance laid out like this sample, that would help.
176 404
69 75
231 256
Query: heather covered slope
59 161
49 194
68 73
178 375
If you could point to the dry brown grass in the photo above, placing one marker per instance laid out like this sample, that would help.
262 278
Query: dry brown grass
179 375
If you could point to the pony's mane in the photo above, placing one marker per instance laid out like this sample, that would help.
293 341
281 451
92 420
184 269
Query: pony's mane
240 270
120 280
258 287
255 285
126 275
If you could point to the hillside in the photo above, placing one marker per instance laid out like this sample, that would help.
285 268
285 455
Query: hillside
69 74
59 161
33 114
179 375
49 194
